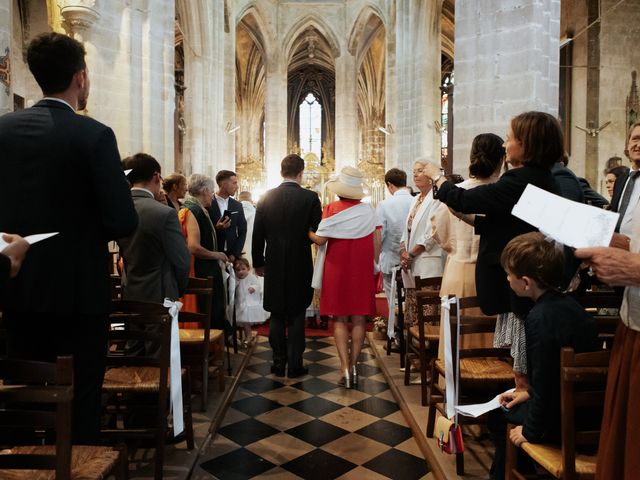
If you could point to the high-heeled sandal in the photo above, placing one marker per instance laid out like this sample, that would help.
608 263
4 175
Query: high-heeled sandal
354 375
345 381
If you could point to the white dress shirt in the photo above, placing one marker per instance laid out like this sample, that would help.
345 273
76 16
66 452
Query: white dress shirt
392 214
630 311
223 203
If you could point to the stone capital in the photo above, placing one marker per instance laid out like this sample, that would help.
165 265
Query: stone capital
79 15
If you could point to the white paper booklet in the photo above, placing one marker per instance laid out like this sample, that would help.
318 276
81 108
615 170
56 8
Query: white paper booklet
31 239
480 408
571 223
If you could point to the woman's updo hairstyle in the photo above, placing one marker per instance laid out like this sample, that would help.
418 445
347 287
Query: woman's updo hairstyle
487 154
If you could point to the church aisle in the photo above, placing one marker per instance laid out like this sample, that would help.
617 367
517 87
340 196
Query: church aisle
309 428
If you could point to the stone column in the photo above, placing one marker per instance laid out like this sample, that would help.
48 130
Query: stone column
506 63
6 94
418 71
346 127
275 116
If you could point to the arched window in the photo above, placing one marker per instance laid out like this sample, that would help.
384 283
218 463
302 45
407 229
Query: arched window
311 126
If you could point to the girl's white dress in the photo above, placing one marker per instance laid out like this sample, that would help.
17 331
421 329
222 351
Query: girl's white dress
249 305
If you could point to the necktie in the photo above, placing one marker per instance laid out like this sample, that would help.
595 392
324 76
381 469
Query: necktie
626 196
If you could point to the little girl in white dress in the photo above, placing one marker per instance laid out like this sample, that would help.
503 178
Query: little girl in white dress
248 299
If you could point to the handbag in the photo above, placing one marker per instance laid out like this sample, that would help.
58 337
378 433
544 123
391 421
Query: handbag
449 435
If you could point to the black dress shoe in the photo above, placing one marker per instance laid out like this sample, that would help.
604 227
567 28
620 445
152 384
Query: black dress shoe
277 370
297 372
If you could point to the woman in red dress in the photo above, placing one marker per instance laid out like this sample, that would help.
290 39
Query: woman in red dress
349 236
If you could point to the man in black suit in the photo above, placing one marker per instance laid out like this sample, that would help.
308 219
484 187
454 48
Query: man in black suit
283 219
231 229
58 302
626 191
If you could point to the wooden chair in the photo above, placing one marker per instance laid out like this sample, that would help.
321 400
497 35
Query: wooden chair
136 386
423 338
606 323
484 372
202 347
116 286
583 380
27 387
399 327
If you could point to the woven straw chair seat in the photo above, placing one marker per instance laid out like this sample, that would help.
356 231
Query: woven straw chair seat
133 379
481 370
550 458
196 335
431 334
87 463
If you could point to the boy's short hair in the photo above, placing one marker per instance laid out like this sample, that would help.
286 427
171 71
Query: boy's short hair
396 177
532 255
243 261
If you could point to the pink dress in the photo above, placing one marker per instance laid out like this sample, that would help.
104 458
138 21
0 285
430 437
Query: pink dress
348 285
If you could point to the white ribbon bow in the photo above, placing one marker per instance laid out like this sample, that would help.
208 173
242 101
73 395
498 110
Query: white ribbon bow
391 302
451 383
175 368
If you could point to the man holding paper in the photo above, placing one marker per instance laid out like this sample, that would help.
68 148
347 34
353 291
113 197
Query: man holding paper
58 302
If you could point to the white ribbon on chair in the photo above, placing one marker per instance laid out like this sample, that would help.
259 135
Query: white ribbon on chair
391 301
451 383
175 368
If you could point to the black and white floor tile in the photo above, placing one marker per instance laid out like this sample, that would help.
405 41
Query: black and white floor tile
309 427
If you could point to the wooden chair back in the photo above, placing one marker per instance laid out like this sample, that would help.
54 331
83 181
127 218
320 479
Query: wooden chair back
133 373
606 322
28 386
583 381
470 324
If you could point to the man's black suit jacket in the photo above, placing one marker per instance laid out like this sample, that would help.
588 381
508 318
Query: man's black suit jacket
496 228
283 219
48 151
618 188
235 235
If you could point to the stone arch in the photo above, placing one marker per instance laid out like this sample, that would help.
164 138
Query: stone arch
303 24
263 33
250 98
360 24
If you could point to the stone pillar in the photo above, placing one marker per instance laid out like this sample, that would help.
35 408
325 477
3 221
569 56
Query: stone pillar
506 63
346 126
391 93
6 94
275 116
418 72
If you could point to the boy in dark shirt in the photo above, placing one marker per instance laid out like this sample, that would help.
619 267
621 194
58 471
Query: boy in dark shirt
534 267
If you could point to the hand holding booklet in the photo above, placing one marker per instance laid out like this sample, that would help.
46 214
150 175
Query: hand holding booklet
31 239
571 223
480 408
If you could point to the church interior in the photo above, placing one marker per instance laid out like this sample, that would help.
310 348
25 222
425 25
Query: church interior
210 85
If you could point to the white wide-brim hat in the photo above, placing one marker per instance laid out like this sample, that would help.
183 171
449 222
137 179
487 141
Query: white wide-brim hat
349 184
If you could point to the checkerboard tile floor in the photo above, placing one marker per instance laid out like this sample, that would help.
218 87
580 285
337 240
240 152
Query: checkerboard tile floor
310 428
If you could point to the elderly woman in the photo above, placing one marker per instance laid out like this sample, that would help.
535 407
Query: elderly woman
533 145
420 255
202 244
175 188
